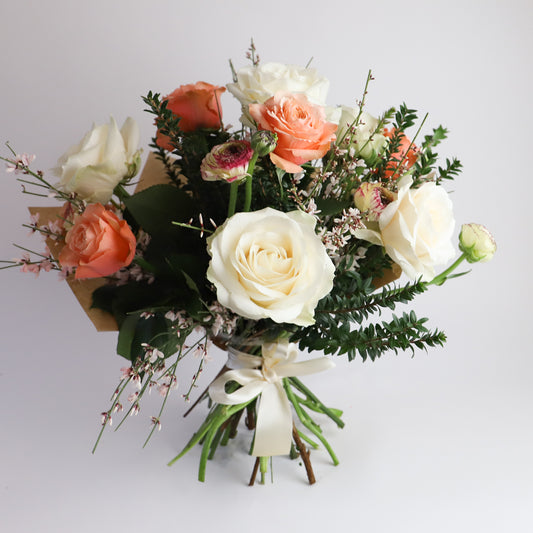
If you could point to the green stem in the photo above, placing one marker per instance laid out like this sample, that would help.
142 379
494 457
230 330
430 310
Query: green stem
309 441
206 451
214 420
216 441
248 190
263 468
232 198
441 278
305 421
329 412
199 435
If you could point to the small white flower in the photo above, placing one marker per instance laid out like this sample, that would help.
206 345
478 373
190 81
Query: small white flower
20 163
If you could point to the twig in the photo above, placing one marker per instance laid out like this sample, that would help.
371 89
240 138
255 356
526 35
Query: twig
250 417
254 472
304 454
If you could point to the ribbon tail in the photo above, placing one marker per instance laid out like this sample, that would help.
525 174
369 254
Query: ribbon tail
273 433
304 368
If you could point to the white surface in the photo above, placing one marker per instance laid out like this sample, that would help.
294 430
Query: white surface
441 442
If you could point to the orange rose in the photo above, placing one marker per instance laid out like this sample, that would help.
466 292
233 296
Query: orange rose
197 105
409 156
301 127
98 244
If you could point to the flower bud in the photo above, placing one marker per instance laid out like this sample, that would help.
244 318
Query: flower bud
227 161
264 142
476 243
372 198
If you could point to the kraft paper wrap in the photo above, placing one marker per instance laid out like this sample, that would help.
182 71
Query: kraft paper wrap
153 173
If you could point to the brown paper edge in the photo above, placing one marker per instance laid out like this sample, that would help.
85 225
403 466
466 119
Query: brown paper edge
153 174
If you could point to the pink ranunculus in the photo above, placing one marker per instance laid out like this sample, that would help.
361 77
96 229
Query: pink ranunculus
98 244
227 162
302 130
197 105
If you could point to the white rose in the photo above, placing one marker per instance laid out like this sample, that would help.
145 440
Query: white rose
366 140
477 243
269 264
255 85
416 229
105 156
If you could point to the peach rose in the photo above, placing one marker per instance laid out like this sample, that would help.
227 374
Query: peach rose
197 105
301 127
98 244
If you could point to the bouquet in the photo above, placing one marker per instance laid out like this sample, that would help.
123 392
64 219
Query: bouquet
272 241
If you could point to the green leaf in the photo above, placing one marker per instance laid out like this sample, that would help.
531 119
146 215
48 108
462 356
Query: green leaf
190 282
331 206
155 208
136 331
126 334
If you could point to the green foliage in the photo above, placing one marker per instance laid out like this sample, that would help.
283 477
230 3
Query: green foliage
406 332
404 118
353 300
156 208
453 168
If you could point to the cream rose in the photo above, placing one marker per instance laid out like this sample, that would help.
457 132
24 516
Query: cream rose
416 229
255 85
270 264
365 139
105 156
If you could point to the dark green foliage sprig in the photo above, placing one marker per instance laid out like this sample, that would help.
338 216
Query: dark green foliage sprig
404 118
427 160
426 157
404 333
352 301
453 168
357 305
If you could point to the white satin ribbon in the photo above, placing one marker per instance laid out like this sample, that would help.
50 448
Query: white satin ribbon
273 432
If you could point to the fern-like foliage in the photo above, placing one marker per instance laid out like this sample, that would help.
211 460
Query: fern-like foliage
340 316
453 168
402 333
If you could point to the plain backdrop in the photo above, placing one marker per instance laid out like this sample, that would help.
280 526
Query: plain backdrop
438 442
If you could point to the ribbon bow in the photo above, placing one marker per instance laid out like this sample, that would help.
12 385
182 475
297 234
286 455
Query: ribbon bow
273 433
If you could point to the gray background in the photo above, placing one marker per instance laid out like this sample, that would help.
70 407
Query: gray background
439 442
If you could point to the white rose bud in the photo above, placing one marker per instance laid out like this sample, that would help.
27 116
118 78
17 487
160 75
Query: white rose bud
476 242
270 264
104 157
